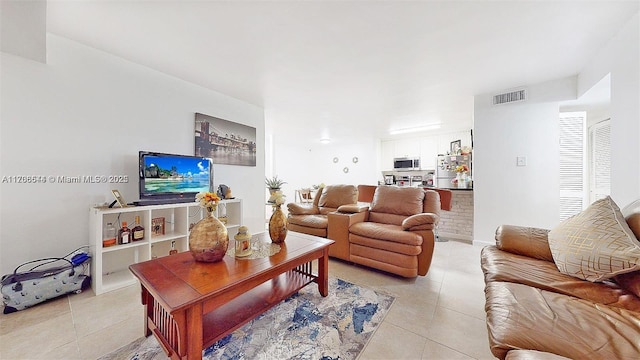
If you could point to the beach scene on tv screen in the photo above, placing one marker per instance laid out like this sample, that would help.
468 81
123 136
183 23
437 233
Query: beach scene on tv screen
175 175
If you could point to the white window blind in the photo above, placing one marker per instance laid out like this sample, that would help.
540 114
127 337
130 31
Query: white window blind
600 153
572 163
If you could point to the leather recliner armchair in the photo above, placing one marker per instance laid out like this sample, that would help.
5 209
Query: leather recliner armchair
312 218
395 235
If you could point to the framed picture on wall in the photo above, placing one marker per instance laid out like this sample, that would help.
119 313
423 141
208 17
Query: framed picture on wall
224 141
455 147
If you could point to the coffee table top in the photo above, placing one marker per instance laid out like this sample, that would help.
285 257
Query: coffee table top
178 281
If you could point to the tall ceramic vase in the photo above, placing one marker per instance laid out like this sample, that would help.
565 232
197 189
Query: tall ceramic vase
278 225
208 239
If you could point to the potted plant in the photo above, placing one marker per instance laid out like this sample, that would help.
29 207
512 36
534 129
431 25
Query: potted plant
274 184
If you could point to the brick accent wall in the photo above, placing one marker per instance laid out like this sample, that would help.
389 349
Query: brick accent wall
458 223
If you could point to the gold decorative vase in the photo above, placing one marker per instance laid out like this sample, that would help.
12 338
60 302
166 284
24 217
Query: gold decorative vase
277 225
208 239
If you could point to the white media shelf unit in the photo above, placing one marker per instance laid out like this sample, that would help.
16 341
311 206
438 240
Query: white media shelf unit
110 265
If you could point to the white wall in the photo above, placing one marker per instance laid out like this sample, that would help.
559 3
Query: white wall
621 58
503 192
302 164
86 112
23 28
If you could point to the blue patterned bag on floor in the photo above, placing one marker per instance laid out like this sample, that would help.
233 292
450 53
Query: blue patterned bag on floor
23 289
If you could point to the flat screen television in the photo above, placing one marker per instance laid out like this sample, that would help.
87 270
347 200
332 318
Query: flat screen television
167 178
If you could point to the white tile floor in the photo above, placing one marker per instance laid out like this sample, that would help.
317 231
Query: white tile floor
439 316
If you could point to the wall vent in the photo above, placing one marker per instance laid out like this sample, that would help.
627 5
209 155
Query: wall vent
509 97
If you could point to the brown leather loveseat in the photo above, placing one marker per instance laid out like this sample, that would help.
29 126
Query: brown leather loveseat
535 311
395 234
311 218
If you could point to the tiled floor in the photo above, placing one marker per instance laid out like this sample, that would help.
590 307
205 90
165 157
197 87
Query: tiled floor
439 316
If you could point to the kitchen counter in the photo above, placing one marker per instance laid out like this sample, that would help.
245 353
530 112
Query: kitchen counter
449 188
458 222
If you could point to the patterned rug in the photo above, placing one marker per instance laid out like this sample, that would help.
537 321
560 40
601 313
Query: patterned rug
304 326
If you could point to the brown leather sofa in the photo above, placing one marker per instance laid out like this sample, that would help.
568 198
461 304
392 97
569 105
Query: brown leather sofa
395 234
311 218
536 312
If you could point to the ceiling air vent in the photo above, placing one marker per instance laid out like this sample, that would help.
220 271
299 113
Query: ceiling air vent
509 97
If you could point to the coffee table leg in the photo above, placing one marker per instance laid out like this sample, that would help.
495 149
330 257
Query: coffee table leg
323 273
147 301
194 332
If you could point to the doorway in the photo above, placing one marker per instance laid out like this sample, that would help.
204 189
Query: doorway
585 152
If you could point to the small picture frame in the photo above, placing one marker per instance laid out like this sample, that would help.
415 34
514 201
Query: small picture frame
456 146
119 198
157 226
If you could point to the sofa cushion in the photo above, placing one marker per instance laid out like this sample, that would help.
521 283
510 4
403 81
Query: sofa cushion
387 232
403 265
498 265
302 209
313 221
523 240
335 195
424 221
630 282
633 221
431 203
308 230
326 210
403 201
525 317
533 355
596 244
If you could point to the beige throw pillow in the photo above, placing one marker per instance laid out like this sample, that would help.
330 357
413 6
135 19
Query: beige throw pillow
596 244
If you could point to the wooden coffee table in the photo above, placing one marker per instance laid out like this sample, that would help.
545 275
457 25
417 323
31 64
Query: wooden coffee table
190 305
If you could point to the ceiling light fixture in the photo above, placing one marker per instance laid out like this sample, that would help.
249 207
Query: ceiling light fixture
414 129
325 141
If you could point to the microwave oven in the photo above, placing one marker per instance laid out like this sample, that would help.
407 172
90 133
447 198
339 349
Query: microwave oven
406 164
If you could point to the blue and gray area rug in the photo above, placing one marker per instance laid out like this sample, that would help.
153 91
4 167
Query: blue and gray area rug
304 326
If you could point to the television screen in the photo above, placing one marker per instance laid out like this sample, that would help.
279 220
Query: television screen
173 176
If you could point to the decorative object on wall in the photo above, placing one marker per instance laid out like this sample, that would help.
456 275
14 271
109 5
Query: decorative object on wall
345 170
455 147
225 142
355 159
208 239
335 160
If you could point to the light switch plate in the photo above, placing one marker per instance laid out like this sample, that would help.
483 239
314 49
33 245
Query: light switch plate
521 161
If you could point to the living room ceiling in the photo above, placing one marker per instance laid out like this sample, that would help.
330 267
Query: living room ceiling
341 69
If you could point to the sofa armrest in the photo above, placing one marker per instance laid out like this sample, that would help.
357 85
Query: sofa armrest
338 224
353 208
302 209
344 220
422 221
522 240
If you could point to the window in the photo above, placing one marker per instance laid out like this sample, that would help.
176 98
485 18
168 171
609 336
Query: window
572 163
600 160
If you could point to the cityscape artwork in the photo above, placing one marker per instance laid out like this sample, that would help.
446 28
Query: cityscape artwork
225 142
